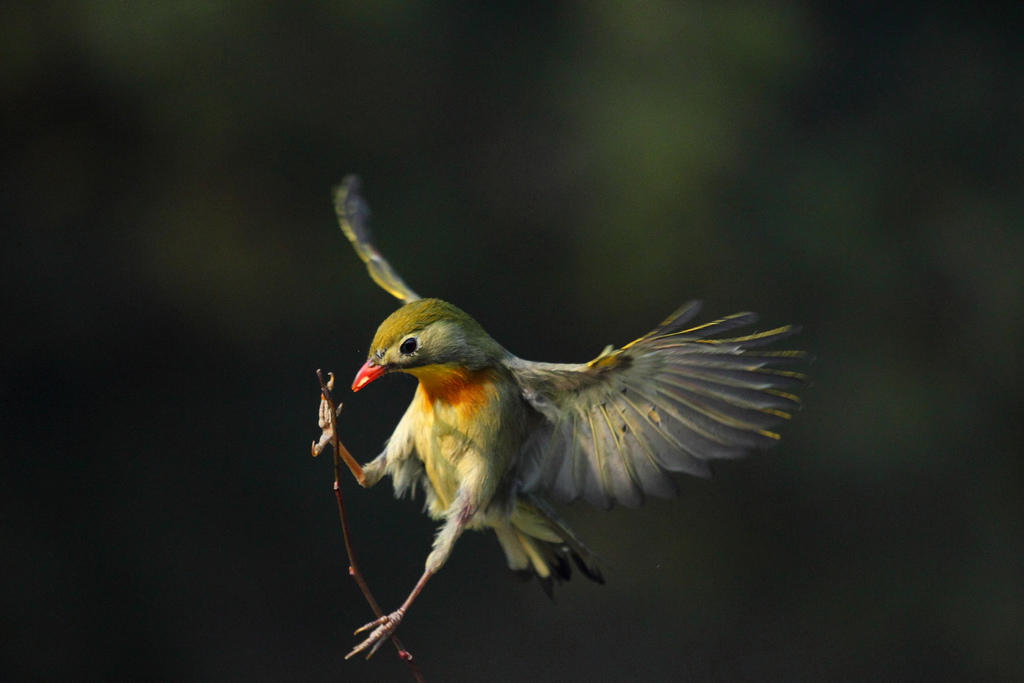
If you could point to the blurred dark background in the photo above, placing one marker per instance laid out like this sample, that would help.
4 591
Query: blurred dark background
173 276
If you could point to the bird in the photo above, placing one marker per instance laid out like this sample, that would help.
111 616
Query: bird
492 439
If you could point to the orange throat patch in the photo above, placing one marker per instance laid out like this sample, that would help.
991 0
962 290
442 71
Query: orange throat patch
458 387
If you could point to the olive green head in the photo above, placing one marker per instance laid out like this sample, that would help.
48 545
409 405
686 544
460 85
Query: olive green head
432 332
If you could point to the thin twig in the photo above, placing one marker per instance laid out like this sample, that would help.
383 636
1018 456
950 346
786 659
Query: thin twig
341 453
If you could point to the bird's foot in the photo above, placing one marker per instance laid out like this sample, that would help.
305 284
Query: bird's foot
382 630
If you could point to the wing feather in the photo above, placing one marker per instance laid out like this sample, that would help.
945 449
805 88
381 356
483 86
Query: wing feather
728 402
620 466
651 477
354 218
611 430
600 485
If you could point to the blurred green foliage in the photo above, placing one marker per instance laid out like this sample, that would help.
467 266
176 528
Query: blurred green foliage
568 174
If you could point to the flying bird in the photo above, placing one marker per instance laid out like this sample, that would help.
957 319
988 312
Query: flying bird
490 438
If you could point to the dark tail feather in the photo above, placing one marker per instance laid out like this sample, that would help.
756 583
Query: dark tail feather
537 543
548 584
556 561
591 571
585 559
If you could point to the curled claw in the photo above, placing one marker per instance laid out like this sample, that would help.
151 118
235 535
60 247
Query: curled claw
324 419
382 630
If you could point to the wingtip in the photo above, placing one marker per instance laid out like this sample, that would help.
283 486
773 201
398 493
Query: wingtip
680 316
349 185
352 211
354 217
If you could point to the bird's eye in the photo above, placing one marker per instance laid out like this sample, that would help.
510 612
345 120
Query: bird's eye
408 347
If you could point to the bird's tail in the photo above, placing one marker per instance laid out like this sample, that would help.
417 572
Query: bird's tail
537 543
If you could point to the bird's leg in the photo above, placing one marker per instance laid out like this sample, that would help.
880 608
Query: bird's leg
384 626
373 471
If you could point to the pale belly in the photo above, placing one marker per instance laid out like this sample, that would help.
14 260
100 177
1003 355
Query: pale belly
442 473
458 451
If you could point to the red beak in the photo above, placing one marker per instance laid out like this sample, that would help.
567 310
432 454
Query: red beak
369 372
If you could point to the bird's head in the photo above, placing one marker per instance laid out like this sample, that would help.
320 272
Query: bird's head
426 335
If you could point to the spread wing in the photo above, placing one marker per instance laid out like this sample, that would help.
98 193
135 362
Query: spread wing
354 217
612 430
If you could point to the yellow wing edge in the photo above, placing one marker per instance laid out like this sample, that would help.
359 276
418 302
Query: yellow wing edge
353 217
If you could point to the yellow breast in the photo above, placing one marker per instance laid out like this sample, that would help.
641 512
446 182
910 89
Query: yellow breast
459 417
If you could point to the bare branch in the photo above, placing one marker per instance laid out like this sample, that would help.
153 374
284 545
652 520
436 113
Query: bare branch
328 423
